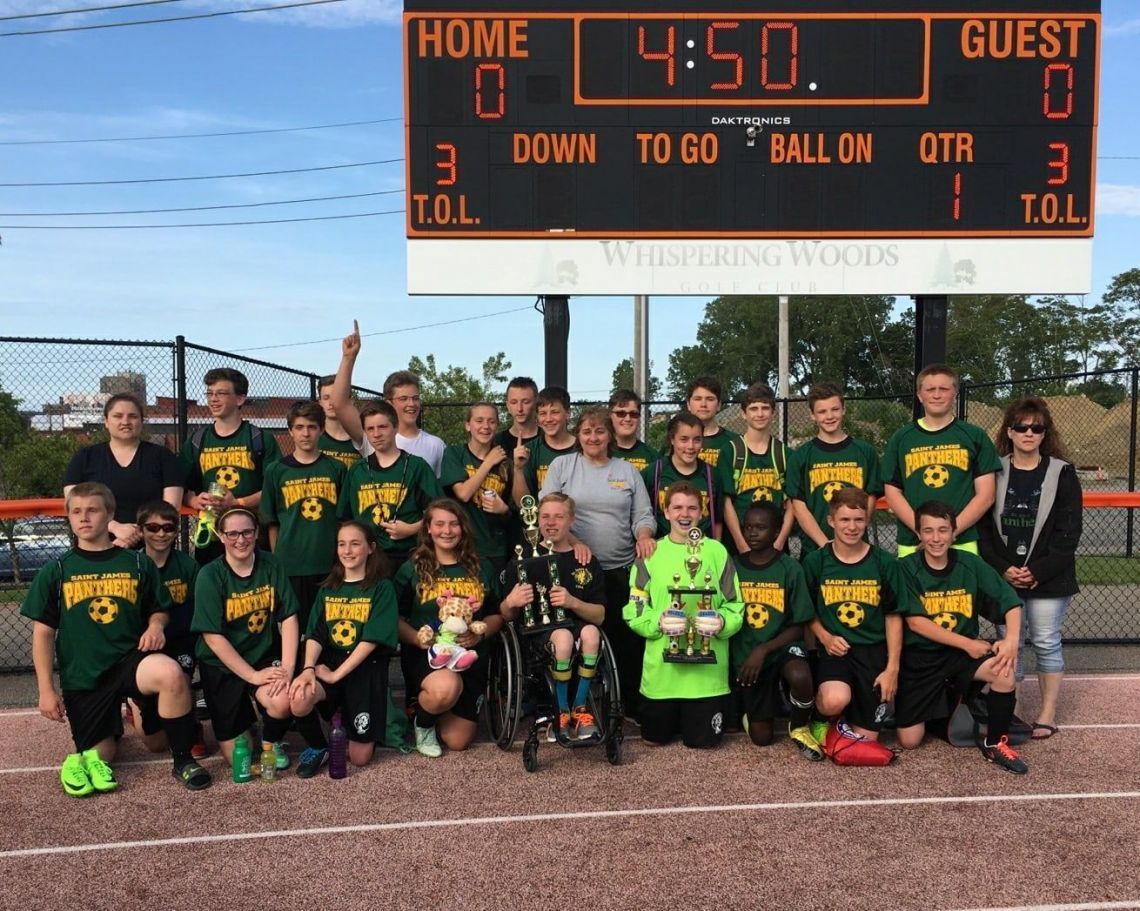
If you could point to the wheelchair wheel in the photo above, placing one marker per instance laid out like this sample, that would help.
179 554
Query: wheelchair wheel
502 706
530 755
613 751
605 695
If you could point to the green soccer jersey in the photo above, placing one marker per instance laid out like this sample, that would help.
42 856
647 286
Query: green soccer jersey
775 596
716 448
99 603
342 617
640 455
938 465
246 610
853 599
817 470
541 455
179 575
750 478
401 491
342 450
233 461
955 596
416 597
492 530
650 581
662 472
302 500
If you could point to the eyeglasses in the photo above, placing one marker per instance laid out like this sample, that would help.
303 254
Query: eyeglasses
619 413
404 399
1037 429
246 533
156 527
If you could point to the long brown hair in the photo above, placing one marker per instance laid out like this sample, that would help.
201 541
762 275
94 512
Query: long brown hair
1030 407
375 567
423 557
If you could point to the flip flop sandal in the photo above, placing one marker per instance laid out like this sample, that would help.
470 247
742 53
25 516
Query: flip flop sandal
1049 730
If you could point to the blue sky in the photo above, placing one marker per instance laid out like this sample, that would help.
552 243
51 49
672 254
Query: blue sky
273 290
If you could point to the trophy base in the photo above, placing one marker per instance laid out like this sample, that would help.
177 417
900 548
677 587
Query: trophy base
540 627
682 658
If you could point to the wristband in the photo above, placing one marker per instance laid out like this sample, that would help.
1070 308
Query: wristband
309 667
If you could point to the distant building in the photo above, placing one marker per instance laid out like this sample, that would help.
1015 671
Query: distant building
124 382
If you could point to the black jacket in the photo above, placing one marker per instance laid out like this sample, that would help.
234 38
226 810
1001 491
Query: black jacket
1053 557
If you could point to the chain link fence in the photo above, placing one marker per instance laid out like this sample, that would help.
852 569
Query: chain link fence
52 393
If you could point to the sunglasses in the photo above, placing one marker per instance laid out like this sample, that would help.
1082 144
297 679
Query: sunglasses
246 533
156 527
1028 428
617 413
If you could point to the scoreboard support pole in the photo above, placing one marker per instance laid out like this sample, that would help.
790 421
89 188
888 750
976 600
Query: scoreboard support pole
641 358
929 334
556 331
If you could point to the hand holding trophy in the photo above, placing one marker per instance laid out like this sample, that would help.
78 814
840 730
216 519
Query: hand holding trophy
689 615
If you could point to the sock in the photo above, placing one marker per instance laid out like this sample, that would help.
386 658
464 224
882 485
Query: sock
273 729
309 727
801 712
586 671
815 714
1000 709
424 718
180 735
561 674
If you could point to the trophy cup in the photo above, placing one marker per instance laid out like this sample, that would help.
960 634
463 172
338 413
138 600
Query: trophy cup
528 511
543 604
690 600
528 608
559 612
540 614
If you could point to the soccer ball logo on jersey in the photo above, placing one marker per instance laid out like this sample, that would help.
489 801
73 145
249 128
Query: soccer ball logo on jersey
830 489
850 614
228 476
380 513
103 610
312 509
935 476
947 621
343 633
362 722
756 615
257 621
762 495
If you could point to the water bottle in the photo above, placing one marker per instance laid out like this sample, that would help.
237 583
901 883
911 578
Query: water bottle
268 763
242 761
338 749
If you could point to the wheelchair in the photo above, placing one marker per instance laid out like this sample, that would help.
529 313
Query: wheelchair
519 685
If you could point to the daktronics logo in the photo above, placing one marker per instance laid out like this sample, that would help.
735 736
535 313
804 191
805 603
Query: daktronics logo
718 121
793 253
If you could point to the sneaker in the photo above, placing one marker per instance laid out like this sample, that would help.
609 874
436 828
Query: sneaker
73 777
427 744
199 750
584 725
193 776
311 761
806 743
101 775
283 760
818 730
1003 755
565 720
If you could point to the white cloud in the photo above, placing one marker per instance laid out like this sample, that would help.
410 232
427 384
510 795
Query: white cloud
1120 29
1117 199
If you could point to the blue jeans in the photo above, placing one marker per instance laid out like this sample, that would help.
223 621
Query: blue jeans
1041 622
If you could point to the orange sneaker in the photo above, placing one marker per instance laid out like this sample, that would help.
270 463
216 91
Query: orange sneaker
584 725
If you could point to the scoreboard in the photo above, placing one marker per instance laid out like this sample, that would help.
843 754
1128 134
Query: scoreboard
760 147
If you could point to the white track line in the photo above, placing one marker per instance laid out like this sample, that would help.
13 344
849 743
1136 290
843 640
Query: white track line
1080 906
549 817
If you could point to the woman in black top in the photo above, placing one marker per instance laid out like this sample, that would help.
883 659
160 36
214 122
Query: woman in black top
1031 537
136 470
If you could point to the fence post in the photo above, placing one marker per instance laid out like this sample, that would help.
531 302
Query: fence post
962 398
1131 461
313 386
181 417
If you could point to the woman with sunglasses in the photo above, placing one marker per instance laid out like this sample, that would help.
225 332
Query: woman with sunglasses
1031 538
246 613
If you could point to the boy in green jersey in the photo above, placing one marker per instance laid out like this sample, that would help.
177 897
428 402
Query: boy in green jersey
522 393
533 461
682 461
857 590
101 611
951 588
769 649
625 412
828 462
229 452
684 699
335 442
702 398
939 457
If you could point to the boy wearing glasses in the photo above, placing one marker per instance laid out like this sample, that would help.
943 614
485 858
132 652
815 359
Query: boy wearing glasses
939 457
402 389
625 412
230 452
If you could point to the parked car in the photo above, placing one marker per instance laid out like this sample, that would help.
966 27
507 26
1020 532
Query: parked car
28 544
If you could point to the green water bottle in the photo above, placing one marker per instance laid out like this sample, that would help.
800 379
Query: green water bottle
242 761
268 763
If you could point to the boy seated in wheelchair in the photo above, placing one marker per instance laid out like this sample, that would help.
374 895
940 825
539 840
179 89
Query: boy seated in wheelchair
581 594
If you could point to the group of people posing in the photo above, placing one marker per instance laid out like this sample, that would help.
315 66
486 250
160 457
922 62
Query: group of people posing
323 563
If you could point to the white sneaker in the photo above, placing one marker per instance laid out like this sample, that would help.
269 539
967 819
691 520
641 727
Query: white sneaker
427 743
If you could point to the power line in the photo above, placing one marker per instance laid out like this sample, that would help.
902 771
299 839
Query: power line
236 205
215 224
103 183
86 9
319 126
231 12
450 322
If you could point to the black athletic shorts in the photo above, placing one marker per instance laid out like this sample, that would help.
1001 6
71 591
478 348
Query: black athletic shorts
95 715
700 722
926 676
229 699
858 669
362 699
762 701
181 649
414 664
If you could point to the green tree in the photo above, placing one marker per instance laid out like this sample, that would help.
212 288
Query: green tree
447 391
623 379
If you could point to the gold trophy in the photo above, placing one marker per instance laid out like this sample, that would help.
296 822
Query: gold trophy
528 511
540 614
559 612
520 571
685 603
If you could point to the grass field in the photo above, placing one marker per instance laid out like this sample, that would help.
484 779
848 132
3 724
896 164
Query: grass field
1108 570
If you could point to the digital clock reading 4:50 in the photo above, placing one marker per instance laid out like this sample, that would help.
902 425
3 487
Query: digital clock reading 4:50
778 121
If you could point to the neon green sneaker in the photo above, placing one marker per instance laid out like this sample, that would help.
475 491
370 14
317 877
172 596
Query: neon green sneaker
806 743
73 777
283 760
818 730
101 775
427 744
